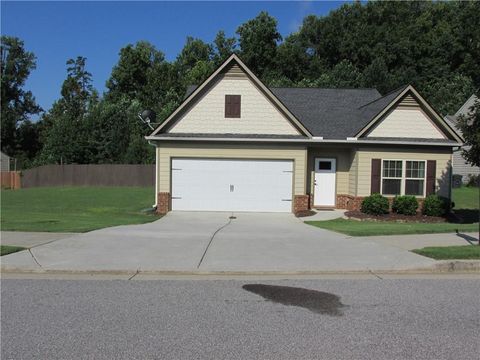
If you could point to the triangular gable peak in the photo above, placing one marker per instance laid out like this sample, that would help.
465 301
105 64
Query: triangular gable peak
203 111
409 116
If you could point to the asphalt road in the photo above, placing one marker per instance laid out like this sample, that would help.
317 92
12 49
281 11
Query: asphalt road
223 319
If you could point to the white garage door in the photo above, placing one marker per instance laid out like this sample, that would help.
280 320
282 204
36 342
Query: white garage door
232 185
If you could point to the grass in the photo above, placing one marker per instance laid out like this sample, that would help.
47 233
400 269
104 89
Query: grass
466 205
371 228
450 252
8 249
466 197
74 209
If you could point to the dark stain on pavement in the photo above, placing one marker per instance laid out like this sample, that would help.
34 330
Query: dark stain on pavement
316 301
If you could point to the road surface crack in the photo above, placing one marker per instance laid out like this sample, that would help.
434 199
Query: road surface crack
374 274
131 277
34 258
211 239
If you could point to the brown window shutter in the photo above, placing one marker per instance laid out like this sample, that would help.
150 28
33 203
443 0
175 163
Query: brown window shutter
228 105
232 106
376 176
431 177
237 102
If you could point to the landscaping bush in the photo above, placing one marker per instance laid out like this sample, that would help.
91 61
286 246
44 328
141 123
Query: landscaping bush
406 205
435 205
457 181
375 204
473 180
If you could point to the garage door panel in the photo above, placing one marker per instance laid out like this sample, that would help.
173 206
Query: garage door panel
232 185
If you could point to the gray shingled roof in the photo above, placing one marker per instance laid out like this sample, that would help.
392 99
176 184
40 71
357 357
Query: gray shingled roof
331 113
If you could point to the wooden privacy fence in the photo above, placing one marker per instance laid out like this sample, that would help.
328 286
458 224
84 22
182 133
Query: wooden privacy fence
10 179
89 175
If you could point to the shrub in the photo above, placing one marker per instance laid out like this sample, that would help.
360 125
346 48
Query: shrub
406 205
457 181
473 180
435 205
375 204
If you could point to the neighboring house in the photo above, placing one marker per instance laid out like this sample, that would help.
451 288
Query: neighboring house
459 165
236 145
4 161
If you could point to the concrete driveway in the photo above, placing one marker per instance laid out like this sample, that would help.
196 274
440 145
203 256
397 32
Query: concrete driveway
200 241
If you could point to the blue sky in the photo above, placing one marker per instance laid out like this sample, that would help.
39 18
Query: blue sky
57 31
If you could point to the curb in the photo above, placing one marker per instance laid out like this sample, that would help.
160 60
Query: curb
444 266
458 266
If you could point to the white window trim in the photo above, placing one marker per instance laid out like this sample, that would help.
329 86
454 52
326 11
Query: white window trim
424 177
404 177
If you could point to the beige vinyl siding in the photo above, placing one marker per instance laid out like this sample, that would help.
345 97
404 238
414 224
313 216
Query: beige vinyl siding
407 122
409 101
258 114
167 151
353 174
343 157
443 158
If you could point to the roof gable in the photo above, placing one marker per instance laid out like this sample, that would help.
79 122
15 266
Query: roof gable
405 113
232 77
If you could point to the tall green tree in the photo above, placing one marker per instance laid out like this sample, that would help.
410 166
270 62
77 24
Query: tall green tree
258 40
469 125
223 47
65 133
17 104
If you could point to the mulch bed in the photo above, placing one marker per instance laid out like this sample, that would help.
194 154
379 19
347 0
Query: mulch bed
392 217
305 213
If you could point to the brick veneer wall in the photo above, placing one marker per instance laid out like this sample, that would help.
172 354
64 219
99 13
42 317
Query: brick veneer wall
301 203
163 203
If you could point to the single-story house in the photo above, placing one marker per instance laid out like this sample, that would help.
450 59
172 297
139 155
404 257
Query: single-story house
459 165
234 144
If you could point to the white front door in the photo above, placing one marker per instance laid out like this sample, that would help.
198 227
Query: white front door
325 178
232 185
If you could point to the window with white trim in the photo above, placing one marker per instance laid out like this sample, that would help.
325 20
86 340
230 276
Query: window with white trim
415 178
403 177
392 177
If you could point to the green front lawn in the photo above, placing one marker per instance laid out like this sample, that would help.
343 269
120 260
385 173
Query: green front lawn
371 228
7 249
450 252
74 209
466 197
466 206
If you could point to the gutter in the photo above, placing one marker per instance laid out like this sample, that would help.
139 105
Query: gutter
315 140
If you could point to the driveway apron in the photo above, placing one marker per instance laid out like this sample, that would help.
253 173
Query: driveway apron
212 241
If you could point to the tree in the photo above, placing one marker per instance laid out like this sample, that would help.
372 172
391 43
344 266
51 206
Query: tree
65 132
17 104
224 47
469 125
195 50
258 39
448 93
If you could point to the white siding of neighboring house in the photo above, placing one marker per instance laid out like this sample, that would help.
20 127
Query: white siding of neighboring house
459 165
4 162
